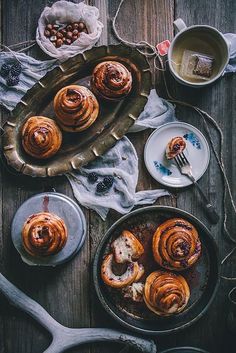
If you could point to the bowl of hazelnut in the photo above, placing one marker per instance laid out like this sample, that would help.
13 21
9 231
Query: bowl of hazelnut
64 34
66 29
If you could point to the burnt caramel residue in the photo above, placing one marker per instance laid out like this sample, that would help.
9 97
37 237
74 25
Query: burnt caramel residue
73 95
45 204
193 277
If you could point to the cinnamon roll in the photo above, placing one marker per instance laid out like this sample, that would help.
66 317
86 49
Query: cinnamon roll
119 281
176 244
175 147
127 248
166 293
111 80
41 137
76 108
44 234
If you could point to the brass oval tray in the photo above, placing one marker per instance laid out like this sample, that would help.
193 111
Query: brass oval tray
78 148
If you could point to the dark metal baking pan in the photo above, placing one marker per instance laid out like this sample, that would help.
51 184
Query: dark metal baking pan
203 277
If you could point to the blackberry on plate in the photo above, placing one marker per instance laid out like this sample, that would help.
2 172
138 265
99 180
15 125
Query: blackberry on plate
92 177
12 80
101 187
108 181
5 69
16 69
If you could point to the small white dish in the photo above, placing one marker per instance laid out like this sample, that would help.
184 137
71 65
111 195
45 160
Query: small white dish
166 171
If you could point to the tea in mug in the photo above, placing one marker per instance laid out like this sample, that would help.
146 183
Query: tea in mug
197 56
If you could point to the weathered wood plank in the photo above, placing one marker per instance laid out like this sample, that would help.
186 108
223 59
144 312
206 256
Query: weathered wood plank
219 101
64 291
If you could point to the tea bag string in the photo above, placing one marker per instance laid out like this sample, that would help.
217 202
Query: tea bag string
150 51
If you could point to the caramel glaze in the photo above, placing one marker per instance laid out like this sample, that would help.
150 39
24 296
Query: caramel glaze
176 244
44 234
111 80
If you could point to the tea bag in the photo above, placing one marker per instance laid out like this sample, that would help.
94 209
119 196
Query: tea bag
196 66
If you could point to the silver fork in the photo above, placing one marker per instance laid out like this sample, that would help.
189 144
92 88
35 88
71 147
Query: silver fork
186 169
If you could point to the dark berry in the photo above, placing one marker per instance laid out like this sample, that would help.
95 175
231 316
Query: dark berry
16 69
12 80
176 147
92 177
5 69
101 187
108 181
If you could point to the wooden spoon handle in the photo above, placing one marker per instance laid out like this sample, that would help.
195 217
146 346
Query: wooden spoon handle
21 301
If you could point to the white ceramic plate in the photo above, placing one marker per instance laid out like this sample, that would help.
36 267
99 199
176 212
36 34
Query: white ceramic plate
166 171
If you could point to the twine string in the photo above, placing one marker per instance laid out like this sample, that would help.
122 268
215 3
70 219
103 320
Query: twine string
143 47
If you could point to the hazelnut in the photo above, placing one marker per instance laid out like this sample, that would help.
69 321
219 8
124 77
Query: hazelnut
75 32
75 25
59 35
64 39
63 31
81 26
54 43
53 32
85 30
74 38
69 35
68 41
59 43
56 27
49 26
53 38
69 28
47 33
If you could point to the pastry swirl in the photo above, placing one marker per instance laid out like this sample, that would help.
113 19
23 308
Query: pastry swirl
41 137
166 293
76 108
44 234
175 147
176 244
111 80
132 273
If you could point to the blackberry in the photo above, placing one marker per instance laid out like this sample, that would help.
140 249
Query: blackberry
101 187
92 177
108 181
16 69
12 80
5 69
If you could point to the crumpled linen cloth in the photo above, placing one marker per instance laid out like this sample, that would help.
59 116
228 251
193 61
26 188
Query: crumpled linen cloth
67 12
231 39
32 71
121 161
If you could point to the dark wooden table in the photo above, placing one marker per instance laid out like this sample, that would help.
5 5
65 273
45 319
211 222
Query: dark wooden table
67 292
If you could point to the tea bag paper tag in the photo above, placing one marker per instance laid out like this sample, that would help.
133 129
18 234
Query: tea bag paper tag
162 48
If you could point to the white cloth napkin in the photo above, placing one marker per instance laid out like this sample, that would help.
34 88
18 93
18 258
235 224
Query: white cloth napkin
121 162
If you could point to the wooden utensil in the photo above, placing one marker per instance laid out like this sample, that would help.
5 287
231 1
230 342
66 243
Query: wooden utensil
63 337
